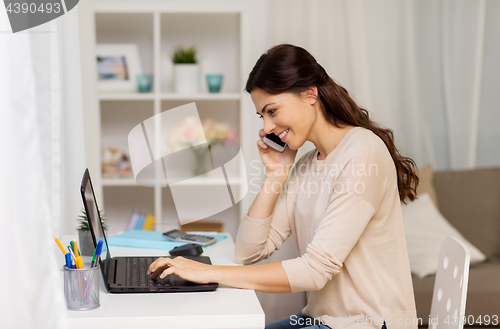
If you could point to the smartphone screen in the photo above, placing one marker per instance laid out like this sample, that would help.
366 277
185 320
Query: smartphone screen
275 142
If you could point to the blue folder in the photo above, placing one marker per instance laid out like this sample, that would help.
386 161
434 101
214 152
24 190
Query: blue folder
149 239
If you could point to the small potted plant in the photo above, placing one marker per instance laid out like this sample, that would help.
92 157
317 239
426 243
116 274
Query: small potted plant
86 245
186 70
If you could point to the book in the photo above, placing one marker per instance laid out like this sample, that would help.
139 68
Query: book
133 219
149 223
140 222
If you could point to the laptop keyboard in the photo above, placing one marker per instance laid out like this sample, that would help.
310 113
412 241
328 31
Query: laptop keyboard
137 273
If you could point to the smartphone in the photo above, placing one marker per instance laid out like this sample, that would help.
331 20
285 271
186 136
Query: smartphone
181 236
275 142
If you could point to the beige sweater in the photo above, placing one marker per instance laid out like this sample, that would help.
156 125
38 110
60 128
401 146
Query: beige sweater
345 216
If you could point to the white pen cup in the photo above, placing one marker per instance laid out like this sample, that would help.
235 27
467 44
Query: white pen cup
81 287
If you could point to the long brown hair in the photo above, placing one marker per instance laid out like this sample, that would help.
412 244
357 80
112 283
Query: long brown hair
288 68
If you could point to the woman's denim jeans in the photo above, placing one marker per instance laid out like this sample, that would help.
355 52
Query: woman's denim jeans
295 322
299 321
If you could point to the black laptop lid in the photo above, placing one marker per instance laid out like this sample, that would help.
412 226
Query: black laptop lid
95 224
97 232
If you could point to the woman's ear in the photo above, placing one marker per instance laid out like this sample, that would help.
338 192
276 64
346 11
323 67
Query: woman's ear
311 94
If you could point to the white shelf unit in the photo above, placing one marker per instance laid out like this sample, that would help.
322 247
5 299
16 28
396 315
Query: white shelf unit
217 29
168 96
193 182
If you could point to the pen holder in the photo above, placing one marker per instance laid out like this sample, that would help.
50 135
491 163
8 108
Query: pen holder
81 287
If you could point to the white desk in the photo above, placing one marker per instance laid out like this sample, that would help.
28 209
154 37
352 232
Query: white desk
224 308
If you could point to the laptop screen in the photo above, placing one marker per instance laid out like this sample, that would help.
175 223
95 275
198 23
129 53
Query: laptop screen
94 218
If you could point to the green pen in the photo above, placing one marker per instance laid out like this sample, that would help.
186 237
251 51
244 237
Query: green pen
93 257
72 244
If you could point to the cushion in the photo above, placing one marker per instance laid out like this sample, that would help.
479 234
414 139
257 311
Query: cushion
470 201
426 185
425 230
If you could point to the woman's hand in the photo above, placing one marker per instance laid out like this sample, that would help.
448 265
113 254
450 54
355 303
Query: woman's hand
276 162
187 269
267 277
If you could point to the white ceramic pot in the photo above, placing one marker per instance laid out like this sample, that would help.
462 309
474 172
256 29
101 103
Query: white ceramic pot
187 78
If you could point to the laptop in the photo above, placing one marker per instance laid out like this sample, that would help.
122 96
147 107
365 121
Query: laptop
128 274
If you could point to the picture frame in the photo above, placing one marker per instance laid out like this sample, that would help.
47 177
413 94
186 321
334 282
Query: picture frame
117 67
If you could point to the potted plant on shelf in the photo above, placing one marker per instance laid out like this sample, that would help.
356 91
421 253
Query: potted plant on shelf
186 70
86 245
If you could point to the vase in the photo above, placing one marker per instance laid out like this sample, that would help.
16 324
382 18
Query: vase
214 82
144 83
85 245
201 163
187 78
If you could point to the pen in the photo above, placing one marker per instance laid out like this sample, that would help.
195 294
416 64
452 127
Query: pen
75 247
72 256
71 243
71 252
98 251
79 263
89 288
99 247
68 260
76 264
59 244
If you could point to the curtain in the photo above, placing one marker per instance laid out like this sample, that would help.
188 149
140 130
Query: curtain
32 281
426 69
41 166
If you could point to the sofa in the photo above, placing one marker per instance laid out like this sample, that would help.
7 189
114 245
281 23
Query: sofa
470 201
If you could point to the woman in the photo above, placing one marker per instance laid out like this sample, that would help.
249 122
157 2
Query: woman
341 202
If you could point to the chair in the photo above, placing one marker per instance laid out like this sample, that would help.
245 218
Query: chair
450 288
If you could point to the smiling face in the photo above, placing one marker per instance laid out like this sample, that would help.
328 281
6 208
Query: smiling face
290 116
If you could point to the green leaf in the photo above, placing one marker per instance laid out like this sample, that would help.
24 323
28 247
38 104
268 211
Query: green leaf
184 55
83 224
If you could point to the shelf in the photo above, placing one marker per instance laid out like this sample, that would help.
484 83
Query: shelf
192 182
168 96
126 96
200 96
119 182
209 182
179 7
